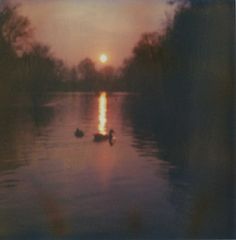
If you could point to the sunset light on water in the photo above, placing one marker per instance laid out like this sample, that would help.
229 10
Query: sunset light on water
102 114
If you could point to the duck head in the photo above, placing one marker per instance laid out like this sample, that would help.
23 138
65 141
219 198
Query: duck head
111 132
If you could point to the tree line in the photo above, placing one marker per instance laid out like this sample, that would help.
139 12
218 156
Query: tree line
165 64
187 80
29 69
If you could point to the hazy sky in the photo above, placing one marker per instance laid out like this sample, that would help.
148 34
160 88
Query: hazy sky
75 29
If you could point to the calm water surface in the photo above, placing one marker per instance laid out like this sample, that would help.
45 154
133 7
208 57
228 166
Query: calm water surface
56 186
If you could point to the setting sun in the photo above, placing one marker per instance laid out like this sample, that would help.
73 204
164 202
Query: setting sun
103 58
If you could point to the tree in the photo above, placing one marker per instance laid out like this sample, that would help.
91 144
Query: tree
141 71
25 66
17 31
14 32
87 73
196 57
108 78
86 69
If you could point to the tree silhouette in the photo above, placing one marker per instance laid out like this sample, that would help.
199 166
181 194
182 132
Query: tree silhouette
194 64
26 67
87 73
14 29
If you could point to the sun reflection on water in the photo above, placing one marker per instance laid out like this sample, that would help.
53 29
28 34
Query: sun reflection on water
102 113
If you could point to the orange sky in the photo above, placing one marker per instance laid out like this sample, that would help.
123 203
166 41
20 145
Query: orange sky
75 29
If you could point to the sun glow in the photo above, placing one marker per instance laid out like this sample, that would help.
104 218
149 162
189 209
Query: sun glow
103 58
102 113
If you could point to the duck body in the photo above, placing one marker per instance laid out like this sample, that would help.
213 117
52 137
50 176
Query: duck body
79 133
100 137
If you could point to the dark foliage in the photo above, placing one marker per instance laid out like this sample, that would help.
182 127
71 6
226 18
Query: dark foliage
26 68
187 74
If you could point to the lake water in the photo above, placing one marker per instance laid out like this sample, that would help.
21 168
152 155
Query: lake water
56 186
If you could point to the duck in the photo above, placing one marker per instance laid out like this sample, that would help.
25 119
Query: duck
79 133
99 137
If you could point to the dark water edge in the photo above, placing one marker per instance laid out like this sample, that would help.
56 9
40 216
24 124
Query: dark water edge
199 140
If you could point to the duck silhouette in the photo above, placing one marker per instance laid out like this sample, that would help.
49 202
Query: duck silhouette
79 133
100 137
